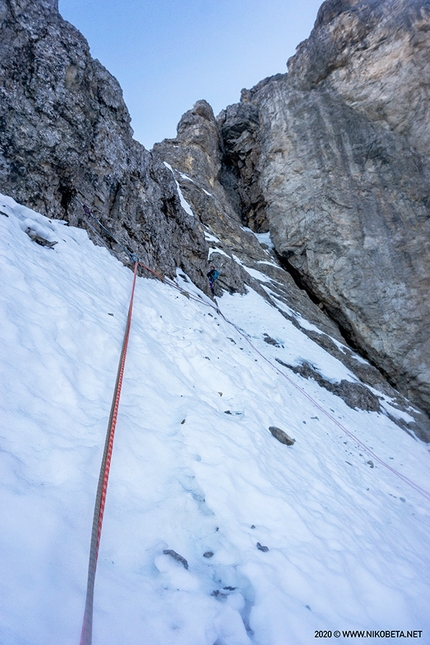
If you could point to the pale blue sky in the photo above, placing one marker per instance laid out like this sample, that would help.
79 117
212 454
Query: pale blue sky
167 54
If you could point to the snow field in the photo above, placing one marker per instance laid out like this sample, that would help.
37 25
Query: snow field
194 470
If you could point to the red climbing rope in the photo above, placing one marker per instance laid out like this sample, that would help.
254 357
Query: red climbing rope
362 445
87 624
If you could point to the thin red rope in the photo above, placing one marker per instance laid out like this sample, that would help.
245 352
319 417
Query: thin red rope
87 623
86 635
405 479
362 445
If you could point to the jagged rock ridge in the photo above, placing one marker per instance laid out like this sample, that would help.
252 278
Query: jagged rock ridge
65 132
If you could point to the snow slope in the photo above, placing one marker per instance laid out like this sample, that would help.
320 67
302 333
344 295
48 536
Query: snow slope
195 469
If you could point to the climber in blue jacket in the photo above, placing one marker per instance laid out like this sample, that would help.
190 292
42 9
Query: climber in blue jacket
212 275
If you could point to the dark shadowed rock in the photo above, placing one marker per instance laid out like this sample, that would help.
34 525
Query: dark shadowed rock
177 557
355 395
261 547
65 133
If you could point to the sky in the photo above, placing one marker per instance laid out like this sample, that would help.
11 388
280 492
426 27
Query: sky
169 54
214 531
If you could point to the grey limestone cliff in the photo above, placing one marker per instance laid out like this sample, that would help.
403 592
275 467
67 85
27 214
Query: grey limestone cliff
343 182
201 158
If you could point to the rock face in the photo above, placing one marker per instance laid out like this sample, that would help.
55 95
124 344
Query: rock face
65 132
215 164
342 163
329 158
197 156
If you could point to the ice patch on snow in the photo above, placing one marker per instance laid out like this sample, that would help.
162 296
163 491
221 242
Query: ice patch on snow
217 250
184 176
209 237
264 238
272 264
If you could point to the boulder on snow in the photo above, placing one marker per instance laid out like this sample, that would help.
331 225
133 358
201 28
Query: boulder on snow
261 547
176 556
39 239
271 341
281 436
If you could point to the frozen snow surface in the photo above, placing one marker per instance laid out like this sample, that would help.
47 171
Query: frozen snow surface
195 470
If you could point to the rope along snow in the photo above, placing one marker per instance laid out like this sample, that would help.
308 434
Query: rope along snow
405 479
86 636
191 296
87 625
